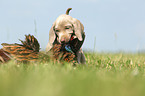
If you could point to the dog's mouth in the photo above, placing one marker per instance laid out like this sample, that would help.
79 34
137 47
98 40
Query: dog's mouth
68 45
64 41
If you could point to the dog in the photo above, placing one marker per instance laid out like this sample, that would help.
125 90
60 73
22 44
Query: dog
66 29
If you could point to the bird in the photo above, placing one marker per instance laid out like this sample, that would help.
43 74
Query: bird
29 51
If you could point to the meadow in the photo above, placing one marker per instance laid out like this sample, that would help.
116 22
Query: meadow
105 74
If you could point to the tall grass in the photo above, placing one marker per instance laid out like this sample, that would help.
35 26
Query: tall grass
103 75
35 31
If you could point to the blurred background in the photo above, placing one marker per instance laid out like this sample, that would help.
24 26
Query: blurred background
110 25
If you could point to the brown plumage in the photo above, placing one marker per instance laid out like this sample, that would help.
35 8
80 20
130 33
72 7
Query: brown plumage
31 43
60 53
4 56
29 51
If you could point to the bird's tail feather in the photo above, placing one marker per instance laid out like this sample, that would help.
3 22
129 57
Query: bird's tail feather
27 51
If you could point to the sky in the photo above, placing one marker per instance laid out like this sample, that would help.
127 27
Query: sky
110 25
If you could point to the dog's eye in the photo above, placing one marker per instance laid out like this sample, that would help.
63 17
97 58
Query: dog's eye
67 28
56 30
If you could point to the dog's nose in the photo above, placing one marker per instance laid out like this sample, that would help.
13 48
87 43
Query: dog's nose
62 41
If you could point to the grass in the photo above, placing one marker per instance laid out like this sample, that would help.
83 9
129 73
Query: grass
104 75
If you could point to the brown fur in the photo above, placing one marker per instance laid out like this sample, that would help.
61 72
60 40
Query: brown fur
67 11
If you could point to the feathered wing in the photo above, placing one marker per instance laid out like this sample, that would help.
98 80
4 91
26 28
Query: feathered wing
31 43
4 56
27 51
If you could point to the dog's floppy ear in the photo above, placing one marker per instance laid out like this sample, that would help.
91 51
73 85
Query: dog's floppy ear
78 29
52 35
52 38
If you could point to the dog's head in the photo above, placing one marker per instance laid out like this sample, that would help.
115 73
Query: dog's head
63 28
